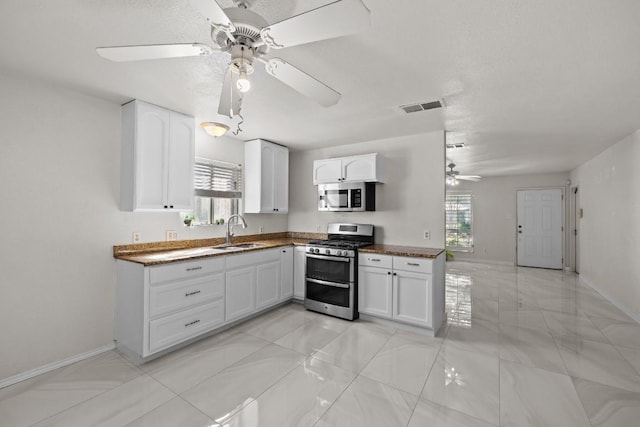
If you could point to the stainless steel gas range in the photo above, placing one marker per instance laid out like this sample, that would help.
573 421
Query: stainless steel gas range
331 284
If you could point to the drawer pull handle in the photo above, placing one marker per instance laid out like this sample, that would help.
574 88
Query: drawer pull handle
188 294
375 259
192 323
194 268
413 264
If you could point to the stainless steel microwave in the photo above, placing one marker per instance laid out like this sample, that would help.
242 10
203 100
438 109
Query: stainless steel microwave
347 197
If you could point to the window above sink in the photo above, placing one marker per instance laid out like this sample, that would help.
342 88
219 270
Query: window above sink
217 190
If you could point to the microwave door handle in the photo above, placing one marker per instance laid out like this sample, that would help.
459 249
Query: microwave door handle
329 258
324 282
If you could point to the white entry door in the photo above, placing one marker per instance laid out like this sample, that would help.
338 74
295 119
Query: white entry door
539 228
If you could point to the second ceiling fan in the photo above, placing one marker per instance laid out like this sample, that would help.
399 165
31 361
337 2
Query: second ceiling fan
248 38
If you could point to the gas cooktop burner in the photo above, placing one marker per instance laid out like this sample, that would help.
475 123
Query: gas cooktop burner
335 243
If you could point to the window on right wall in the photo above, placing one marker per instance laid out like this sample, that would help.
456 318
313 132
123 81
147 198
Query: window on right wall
459 222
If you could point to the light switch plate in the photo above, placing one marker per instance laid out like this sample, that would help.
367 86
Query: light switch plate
172 235
136 237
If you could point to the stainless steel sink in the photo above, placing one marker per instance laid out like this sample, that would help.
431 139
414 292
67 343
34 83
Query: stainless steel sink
240 246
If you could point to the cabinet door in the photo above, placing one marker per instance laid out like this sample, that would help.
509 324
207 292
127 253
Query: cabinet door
359 168
299 271
267 178
286 273
375 291
240 292
152 138
267 284
327 171
180 162
281 180
412 297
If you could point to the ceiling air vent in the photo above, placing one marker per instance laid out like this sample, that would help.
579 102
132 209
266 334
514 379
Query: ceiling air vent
422 106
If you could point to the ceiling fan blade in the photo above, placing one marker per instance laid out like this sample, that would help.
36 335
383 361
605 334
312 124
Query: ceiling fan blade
302 82
337 19
230 101
214 14
474 178
153 51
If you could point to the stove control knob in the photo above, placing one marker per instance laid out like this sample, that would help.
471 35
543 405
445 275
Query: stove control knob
328 252
342 253
316 250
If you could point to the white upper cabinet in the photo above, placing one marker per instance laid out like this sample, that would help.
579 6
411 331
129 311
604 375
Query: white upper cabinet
158 150
327 171
367 168
266 177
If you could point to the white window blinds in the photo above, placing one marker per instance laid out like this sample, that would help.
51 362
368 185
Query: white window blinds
217 179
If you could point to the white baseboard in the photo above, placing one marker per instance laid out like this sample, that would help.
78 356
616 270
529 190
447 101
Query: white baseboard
484 261
55 365
605 295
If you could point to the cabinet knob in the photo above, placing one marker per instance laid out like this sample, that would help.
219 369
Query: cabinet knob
165 206
388 272
171 206
394 274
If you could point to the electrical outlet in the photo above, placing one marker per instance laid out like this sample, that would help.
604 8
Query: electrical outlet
260 229
427 234
137 237
318 228
172 235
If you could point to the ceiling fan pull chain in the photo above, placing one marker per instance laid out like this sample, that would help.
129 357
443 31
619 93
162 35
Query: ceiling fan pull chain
239 123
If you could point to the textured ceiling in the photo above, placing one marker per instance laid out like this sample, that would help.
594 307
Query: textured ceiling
530 86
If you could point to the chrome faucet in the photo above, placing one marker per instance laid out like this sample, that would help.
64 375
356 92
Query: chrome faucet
239 221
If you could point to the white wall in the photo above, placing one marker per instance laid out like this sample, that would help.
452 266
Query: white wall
410 202
609 231
494 213
59 219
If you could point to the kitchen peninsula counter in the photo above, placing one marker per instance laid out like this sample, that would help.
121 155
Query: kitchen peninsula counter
408 251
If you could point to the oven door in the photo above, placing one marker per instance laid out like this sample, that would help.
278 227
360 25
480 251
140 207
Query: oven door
337 294
330 268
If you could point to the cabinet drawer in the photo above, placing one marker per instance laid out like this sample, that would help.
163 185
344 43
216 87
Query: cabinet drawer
375 260
177 296
181 326
185 270
419 265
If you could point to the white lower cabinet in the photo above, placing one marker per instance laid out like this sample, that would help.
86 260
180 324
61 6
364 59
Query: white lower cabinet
375 291
240 298
253 282
299 271
158 307
286 273
412 297
268 284
405 289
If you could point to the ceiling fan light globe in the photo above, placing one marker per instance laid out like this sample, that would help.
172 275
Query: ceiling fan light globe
243 84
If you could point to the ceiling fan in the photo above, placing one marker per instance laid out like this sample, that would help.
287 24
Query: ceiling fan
454 176
247 38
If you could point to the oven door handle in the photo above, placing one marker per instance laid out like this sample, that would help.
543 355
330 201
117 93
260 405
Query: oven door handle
329 258
324 282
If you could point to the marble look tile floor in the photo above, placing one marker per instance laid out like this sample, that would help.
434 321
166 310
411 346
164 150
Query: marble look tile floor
522 347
